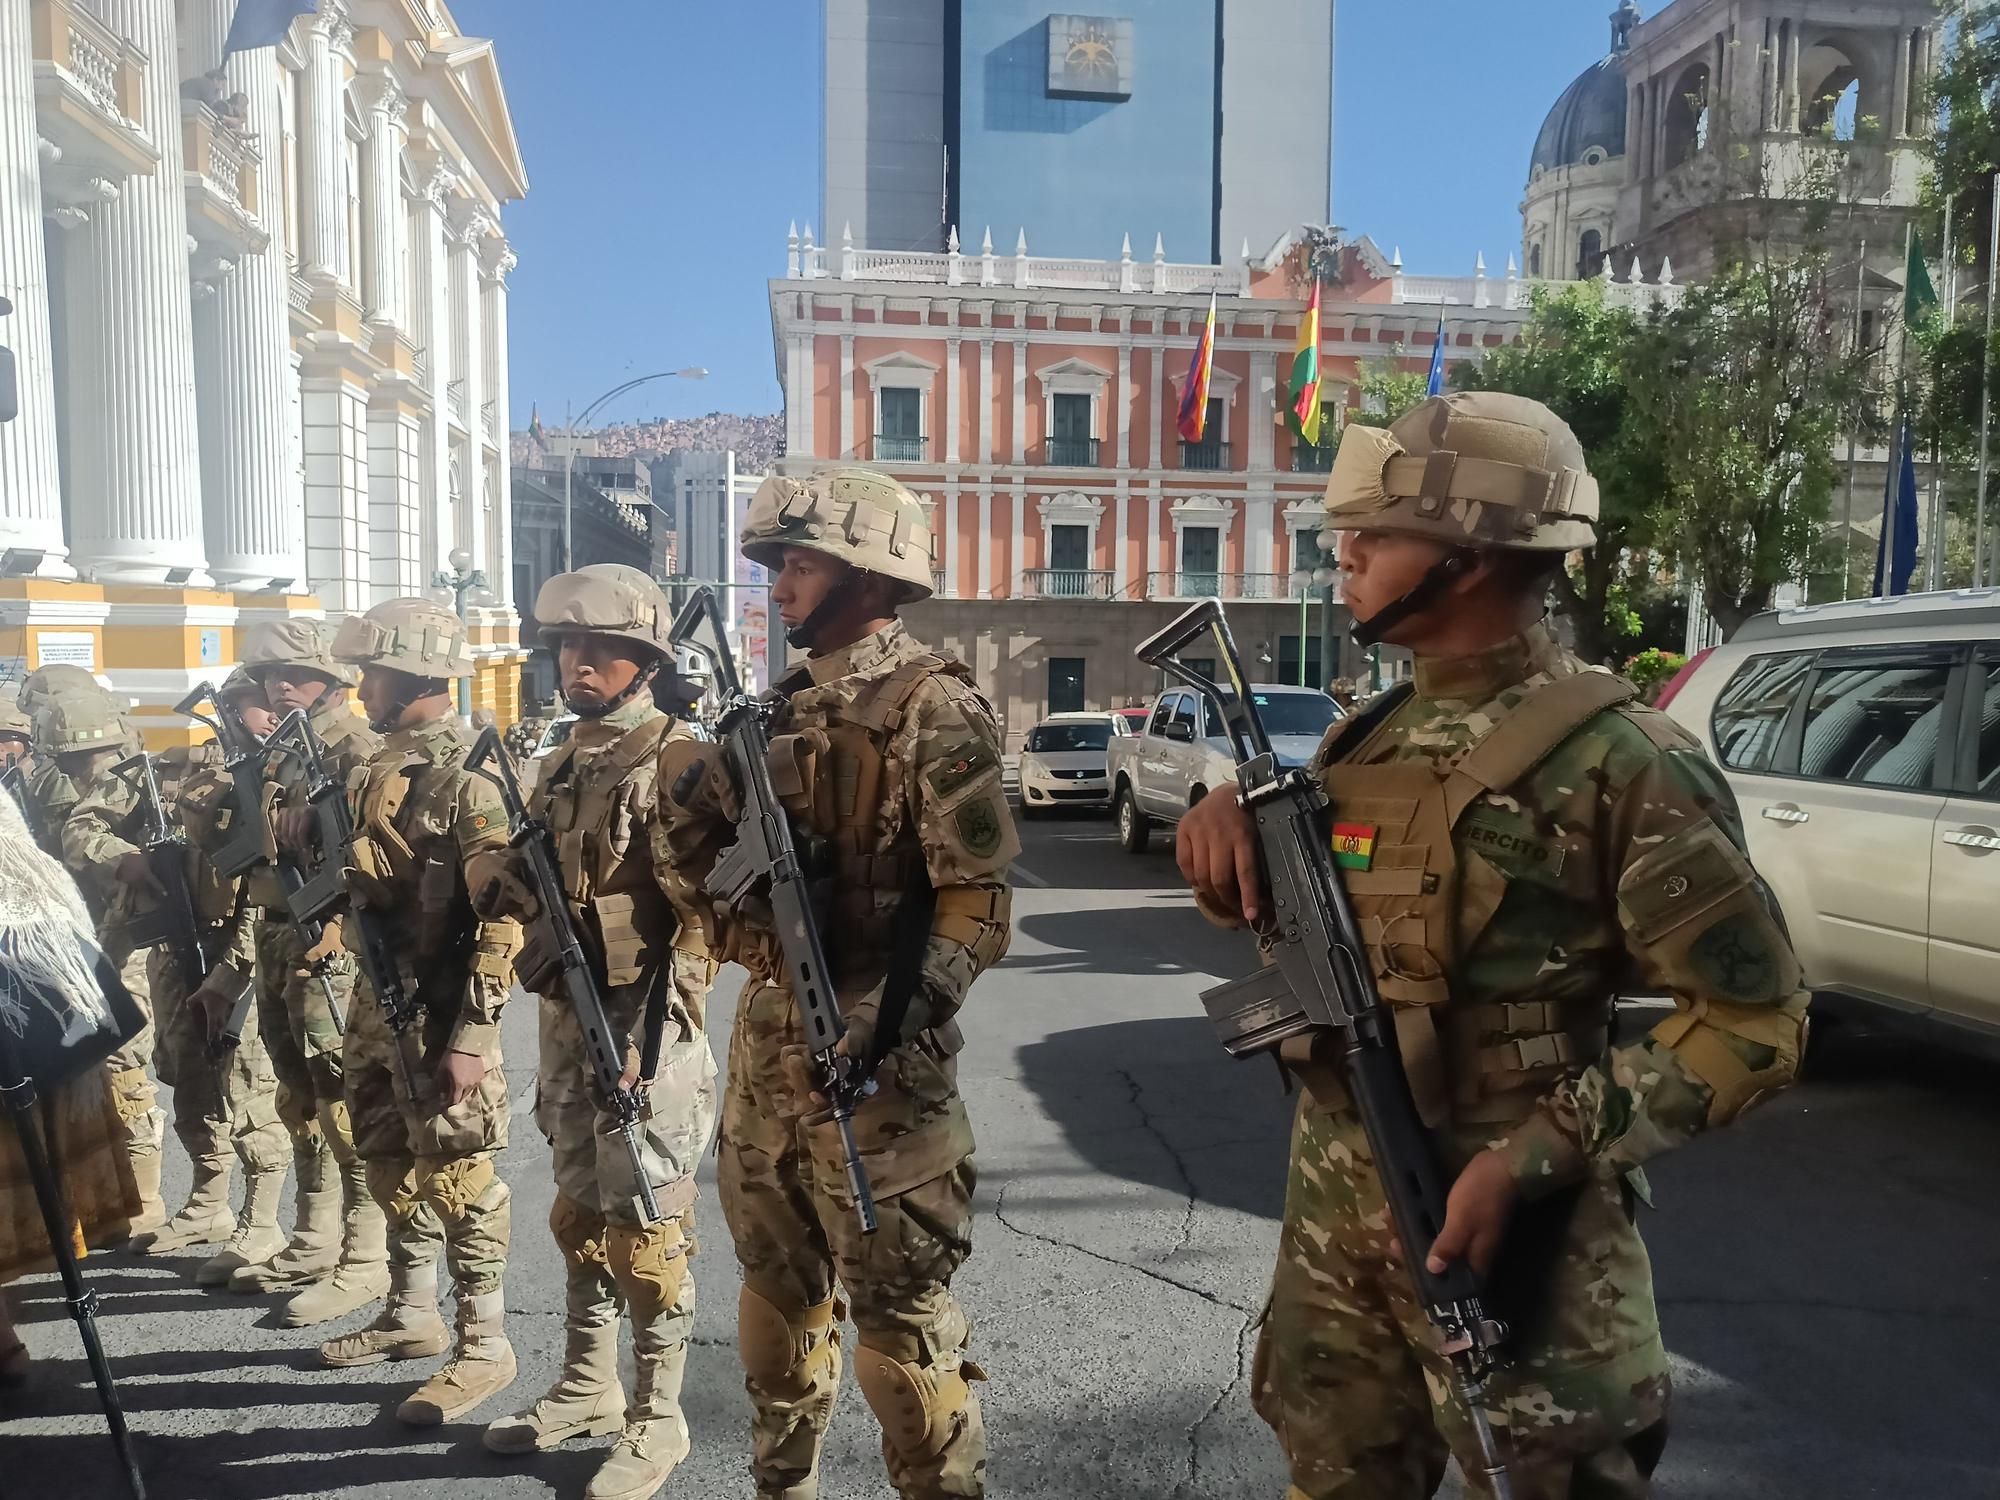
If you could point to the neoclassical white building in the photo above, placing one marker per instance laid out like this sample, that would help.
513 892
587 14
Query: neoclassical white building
259 326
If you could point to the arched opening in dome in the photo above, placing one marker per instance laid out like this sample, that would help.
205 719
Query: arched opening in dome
1830 104
1589 254
1535 261
1687 115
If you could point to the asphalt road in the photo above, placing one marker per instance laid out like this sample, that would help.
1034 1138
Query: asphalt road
1826 1271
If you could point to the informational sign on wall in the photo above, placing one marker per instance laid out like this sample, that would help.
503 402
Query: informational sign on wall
70 648
211 648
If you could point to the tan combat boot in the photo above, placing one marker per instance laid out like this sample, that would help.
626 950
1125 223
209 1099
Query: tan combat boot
482 1367
655 1437
204 1219
586 1400
313 1251
257 1236
409 1327
152 1212
363 1272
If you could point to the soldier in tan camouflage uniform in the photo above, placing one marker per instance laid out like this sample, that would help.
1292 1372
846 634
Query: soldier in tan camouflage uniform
337 1257
597 794
81 735
17 735
888 760
225 1105
1522 841
428 1141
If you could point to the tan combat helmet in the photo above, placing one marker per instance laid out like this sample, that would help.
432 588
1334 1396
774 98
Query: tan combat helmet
863 518
14 719
418 637
240 684
292 642
606 599
1478 469
69 724
58 680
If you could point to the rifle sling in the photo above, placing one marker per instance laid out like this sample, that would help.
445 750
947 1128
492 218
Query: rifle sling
906 962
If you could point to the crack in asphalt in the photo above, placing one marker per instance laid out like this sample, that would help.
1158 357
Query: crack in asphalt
1152 1128
1000 1213
1243 1342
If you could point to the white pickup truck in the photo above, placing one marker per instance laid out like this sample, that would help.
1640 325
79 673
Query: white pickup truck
1182 754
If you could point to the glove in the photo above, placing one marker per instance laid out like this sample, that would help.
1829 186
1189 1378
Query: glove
537 965
501 892
329 945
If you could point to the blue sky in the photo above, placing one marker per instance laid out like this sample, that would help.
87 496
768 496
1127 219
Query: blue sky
669 143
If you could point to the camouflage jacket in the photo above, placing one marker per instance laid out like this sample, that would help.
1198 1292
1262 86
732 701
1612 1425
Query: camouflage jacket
419 816
1621 869
889 713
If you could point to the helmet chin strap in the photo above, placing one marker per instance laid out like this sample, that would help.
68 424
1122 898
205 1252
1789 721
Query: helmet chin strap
1428 589
802 634
642 679
420 688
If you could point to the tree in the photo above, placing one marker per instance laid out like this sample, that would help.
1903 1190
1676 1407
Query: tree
1571 357
1387 391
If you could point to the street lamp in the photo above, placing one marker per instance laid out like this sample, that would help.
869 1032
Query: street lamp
1303 581
692 372
463 579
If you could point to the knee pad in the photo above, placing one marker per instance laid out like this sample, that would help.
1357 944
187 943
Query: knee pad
787 1352
132 1094
916 1384
578 1231
392 1184
454 1186
649 1266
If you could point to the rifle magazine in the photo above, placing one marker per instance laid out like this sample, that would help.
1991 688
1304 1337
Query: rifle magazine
1255 1013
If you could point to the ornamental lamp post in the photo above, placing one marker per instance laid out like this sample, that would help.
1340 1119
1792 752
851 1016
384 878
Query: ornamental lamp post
464 581
692 372
1303 582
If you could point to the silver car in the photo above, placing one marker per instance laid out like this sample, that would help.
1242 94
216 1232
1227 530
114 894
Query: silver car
1062 764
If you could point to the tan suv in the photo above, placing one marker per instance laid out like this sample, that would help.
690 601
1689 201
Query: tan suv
1863 743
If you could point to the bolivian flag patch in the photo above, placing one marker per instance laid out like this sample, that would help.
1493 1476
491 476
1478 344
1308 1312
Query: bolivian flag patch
1354 845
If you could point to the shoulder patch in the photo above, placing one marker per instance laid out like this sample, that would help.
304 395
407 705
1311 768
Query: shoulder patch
958 766
978 826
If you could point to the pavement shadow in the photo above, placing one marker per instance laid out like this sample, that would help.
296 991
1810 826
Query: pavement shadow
1071 852
1163 936
1158 1102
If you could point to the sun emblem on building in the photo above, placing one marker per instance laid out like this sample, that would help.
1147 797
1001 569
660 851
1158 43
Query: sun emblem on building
1091 53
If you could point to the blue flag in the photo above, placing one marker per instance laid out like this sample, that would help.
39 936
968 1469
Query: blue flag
1436 387
1899 499
263 23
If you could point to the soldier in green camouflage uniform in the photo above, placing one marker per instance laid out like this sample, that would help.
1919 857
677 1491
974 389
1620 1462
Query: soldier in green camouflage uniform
1522 841
429 1110
225 1106
608 626
888 760
337 1257
80 735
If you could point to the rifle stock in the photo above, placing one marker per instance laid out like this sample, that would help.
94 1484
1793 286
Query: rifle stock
530 838
1320 978
765 855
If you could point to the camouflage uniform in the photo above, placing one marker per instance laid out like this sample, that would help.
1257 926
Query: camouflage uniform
337 1258
597 795
1522 842
888 760
419 816
225 1107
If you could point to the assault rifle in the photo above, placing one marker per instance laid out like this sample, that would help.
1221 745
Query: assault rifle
172 922
1321 979
765 855
15 781
531 839
317 893
245 758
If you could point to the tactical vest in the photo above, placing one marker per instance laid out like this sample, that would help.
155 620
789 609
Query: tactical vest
198 799
405 857
346 741
598 806
1420 910
858 834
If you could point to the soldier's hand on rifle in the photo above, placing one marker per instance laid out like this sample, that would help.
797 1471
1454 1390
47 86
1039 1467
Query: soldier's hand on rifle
213 1007
1216 847
292 827
329 944
498 889
134 869
458 1077
1476 1212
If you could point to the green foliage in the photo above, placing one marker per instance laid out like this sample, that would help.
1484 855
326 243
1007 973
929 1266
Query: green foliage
1652 669
1387 391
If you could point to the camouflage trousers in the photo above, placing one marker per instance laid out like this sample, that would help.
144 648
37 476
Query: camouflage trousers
132 1092
612 1255
430 1168
223 1101
303 1040
785 1196
1347 1373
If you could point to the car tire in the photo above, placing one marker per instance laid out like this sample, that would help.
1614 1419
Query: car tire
1135 829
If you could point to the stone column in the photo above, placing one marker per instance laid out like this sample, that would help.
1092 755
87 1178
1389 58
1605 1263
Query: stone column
242 331
30 476
135 472
953 397
847 401
430 286
985 398
1263 392
1767 111
323 145
382 291
468 226
497 262
1792 77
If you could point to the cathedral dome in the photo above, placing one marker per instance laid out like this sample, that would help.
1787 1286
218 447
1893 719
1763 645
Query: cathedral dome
1588 121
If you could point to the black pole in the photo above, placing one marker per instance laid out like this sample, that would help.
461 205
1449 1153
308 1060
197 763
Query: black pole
20 1095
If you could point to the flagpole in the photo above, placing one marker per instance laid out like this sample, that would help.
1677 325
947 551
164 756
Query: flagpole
1847 527
1980 571
1934 563
1888 578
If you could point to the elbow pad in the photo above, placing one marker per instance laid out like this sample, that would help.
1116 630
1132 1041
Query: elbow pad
1743 1053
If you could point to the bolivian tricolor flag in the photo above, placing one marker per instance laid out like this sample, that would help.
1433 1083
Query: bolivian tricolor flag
1354 845
1194 396
1304 413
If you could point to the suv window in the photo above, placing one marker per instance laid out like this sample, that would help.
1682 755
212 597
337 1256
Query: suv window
1750 713
1874 722
1162 711
1985 710
1184 709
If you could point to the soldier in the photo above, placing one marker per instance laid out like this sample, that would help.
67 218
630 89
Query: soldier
597 794
225 1105
81 735
337 1257
1526 841
888 760
427 1140
17 736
